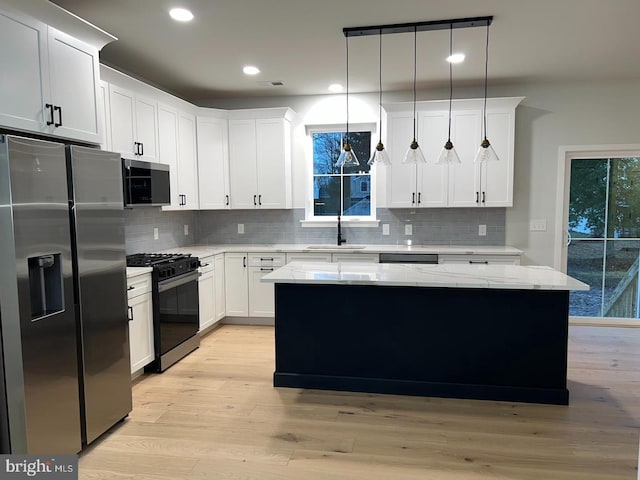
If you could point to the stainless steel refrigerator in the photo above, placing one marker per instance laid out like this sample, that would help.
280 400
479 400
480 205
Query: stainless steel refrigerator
63 313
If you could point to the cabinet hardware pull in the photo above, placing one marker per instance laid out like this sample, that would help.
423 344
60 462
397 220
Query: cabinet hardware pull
483 197
266 269
485 262
185 198
254 200
419 197
266 258
50 107
244 261
59 110
131 287
260 199
130 313
477 197
141 149
136 149
227 197
413 198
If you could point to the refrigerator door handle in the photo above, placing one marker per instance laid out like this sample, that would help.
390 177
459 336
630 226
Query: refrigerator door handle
130 313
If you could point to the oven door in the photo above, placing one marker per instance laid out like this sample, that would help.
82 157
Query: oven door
178 317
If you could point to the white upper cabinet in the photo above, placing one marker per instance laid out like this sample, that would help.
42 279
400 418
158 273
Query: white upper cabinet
260 158
48 81
462 185
213 163
168 147
134 126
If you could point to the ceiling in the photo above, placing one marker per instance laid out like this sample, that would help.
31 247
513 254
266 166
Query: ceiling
300 43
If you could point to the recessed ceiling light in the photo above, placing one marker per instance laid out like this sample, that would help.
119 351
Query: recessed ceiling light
251 70
456 58
335 88
181 14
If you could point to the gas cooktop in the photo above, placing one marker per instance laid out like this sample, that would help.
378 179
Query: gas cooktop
152 259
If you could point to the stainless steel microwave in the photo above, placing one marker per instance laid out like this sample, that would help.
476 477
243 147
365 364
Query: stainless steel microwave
145 183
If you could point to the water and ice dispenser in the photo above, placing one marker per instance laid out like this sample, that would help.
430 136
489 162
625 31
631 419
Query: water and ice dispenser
45 285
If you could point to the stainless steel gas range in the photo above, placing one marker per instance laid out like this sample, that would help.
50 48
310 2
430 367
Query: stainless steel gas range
175 305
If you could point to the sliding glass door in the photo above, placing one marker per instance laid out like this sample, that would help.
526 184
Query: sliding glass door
604 236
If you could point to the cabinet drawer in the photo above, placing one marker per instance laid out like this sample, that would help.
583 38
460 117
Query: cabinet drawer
309 257
267 259
207 265
480 259
138 285
356 257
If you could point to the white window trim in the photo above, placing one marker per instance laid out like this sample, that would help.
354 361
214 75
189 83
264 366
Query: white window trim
331 221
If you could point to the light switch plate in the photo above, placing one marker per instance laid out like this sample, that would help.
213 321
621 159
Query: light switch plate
385 229
482 230
538 225
186 230
408 229
241 228
156 234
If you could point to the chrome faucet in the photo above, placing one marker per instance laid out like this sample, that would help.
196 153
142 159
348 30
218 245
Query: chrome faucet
340 239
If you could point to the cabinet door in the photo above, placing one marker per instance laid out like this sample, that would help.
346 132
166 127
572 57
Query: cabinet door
243 175
464 182
104 111
497 177
401 178
74 77
261 295
187 162
311 257
235 284
206 293
356 257
168 149
141 332
213 163
220 303
122 103
24 74
146 128
274 163
432 182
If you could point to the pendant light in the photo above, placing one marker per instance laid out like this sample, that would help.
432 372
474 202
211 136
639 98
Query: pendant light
448 153
347 157
414 153
380 155
485 152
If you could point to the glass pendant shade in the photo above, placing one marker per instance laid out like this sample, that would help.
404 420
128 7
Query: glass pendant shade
486 153
448 154
414 155
379 156
347 157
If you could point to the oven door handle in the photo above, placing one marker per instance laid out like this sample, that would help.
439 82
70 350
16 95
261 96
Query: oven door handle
165 285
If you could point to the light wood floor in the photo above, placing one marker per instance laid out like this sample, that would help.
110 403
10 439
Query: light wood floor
215 415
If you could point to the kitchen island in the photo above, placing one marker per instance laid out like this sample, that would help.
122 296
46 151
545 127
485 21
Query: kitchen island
494 332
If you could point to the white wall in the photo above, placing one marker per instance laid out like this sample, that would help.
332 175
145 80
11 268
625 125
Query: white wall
552 115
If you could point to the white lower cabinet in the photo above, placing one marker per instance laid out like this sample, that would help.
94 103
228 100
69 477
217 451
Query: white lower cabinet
480 259
309 257
219 287
356 257
236 284
207 293
140 321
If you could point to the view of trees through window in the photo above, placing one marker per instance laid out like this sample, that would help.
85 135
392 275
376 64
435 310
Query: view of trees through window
341 190
604 236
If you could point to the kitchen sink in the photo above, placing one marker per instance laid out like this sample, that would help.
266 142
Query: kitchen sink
335 247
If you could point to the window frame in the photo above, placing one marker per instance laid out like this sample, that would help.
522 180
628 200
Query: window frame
313 220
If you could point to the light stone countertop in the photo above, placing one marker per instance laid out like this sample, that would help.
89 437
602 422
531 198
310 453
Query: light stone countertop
514 277
208 250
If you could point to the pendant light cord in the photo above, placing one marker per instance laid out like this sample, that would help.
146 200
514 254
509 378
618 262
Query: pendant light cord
380 98
415 68
347 96
450 77
486 69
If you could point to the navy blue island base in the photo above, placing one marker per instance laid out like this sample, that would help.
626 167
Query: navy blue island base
490 344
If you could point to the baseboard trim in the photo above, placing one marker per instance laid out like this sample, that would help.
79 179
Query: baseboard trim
605 322
268 321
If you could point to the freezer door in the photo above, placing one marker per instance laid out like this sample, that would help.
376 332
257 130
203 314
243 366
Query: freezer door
39 345
98 222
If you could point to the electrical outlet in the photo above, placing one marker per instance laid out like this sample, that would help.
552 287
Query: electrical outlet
186 230
538 225
156 234
408 229
385 229
241 228
482 230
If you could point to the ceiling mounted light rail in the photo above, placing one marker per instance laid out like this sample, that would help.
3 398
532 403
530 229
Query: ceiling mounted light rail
418 26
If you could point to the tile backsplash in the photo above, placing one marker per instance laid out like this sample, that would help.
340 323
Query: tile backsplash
436 226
